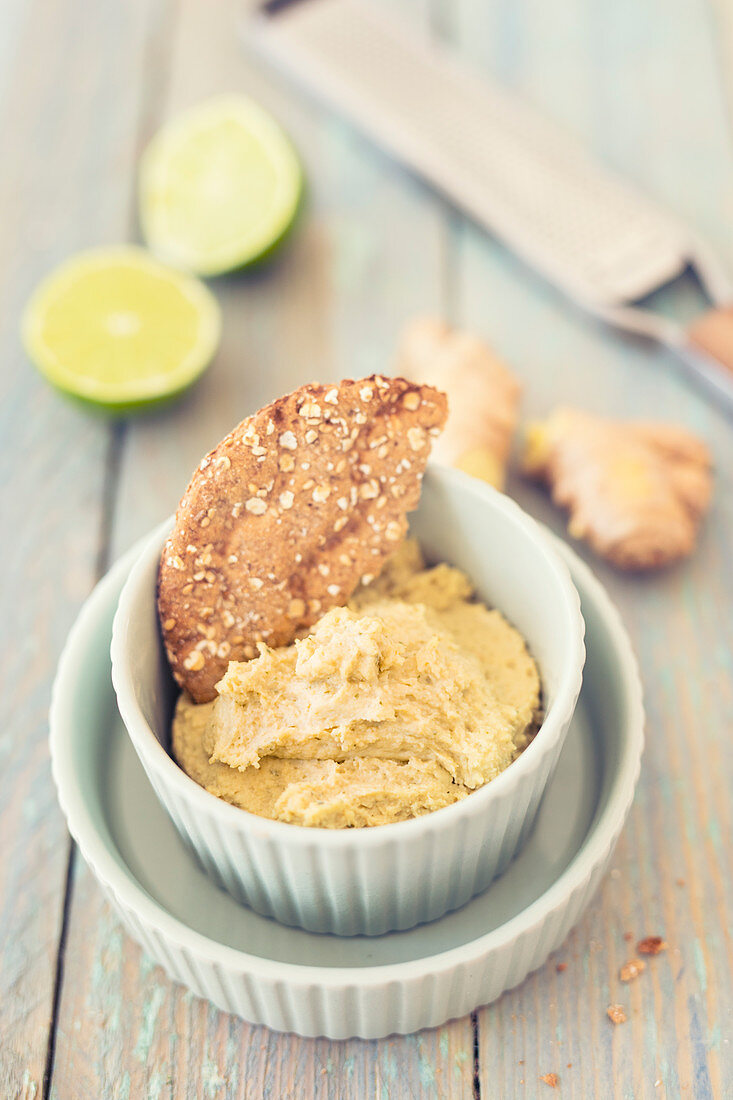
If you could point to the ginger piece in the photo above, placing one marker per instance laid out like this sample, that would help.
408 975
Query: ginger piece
636 491
483 395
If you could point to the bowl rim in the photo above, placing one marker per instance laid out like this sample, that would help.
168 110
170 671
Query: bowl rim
230 816
131 897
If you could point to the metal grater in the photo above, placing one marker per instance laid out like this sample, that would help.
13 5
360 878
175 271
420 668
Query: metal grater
602 242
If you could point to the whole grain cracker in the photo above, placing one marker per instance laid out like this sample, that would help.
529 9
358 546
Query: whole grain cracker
284 518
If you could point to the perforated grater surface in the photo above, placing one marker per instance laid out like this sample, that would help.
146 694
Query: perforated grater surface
603 243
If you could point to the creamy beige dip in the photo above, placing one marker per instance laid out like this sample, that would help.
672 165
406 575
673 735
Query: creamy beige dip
401 703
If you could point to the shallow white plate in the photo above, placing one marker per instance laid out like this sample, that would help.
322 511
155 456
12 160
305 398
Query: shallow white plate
325 985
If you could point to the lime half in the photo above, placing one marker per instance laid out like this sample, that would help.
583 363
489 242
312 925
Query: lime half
116 329
220 187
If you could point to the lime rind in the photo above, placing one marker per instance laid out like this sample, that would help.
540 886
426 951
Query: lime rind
136 392
160 188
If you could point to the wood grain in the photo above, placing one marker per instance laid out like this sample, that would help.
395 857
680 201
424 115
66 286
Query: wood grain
674 1041
64 129
368 254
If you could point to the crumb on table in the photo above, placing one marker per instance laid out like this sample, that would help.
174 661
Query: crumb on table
651 945
632 969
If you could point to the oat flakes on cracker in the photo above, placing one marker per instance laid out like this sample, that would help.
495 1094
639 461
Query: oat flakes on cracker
282 520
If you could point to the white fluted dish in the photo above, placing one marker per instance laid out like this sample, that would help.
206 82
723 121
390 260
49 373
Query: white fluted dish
292 980
370 881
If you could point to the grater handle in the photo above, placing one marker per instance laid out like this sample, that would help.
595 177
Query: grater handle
711 335
705 347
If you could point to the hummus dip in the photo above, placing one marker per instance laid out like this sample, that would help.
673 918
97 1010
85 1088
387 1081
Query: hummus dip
403 702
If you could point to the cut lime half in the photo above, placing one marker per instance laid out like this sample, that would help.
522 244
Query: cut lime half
220 187
117 329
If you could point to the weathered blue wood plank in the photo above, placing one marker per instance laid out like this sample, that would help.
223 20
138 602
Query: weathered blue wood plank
641 84
368 254
58 64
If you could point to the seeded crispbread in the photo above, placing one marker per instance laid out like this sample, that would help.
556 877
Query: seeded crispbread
286 515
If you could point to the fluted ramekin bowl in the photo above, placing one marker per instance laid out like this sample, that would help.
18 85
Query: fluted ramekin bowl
374 880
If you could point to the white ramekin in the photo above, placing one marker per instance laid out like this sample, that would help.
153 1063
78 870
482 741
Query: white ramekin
369 881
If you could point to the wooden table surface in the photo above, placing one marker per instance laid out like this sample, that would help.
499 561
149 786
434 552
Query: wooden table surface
84 1014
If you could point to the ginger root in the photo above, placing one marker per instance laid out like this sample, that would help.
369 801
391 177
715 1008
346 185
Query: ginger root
483 396
636 492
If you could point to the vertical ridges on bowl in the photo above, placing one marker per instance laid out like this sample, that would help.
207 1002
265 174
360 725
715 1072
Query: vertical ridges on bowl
419 869
325 888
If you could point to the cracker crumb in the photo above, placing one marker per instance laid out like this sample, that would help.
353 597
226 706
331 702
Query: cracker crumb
550 1079
651 945
632 969
616 1014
